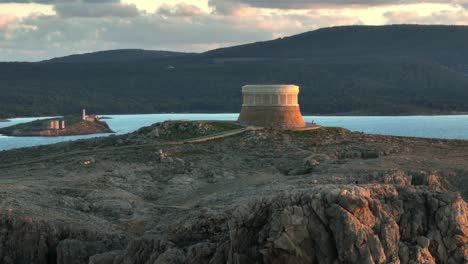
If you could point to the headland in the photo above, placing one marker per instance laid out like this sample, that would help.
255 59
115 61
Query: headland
216 192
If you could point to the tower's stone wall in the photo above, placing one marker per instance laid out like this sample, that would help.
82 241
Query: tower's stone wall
274 106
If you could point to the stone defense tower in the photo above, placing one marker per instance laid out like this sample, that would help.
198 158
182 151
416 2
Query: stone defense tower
272 106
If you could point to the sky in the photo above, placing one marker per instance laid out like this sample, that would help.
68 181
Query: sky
34 30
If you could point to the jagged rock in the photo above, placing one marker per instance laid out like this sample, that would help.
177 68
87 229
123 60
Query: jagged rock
324 224
349 225
423 242
172 256
78 252
201 253
397 177
154 133
146 251
105 258
423 256
24 240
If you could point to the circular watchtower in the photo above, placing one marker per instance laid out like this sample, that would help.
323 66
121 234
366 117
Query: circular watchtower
273 106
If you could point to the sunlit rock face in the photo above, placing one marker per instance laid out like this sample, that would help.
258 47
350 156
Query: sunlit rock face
272 106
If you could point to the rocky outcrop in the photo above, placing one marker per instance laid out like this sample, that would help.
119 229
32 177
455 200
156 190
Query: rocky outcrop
263 196
179 130
322 224
379 224
329 224
25 240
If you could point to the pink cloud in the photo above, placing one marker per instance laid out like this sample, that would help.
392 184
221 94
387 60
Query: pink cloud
6 20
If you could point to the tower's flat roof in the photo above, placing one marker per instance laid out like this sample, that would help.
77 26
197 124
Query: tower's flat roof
270 88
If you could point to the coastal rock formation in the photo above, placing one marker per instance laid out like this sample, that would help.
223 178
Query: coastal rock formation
378 224
325 224
24 239
263 196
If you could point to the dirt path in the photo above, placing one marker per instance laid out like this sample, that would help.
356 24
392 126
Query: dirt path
152 145
211 137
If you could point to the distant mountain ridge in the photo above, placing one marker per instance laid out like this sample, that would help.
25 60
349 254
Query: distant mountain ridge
120 55
438 42
378 70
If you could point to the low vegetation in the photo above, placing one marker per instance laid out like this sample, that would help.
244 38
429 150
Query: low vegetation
180 130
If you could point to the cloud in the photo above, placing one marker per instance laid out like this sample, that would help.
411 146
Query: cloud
448 17
50 2
96 10
6 20
234 9
43 37
225 6
180 10
78 26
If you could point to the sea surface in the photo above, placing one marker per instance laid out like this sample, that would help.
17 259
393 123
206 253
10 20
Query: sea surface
444 127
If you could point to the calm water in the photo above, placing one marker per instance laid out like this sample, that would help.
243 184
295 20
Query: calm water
447 127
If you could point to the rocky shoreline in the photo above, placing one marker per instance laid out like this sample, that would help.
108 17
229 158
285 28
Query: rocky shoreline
263 196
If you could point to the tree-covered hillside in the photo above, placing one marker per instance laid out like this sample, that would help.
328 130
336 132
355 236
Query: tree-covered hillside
354 70
123 55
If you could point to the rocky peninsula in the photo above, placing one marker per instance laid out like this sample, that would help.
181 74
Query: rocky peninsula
213 192
66 126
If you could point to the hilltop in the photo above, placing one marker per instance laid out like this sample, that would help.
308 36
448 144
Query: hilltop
445 44
122 55
381 70
263 196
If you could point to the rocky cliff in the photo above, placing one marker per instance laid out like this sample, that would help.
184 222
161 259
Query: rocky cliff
324 196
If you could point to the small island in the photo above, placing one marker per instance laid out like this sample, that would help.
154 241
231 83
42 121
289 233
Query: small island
65 126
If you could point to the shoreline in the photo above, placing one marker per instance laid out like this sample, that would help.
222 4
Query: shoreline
107 134
395 114
108 116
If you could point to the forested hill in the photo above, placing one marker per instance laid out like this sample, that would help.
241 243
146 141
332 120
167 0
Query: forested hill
403 69
122 55
412 41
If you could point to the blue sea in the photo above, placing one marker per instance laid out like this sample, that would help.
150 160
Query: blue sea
444 127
